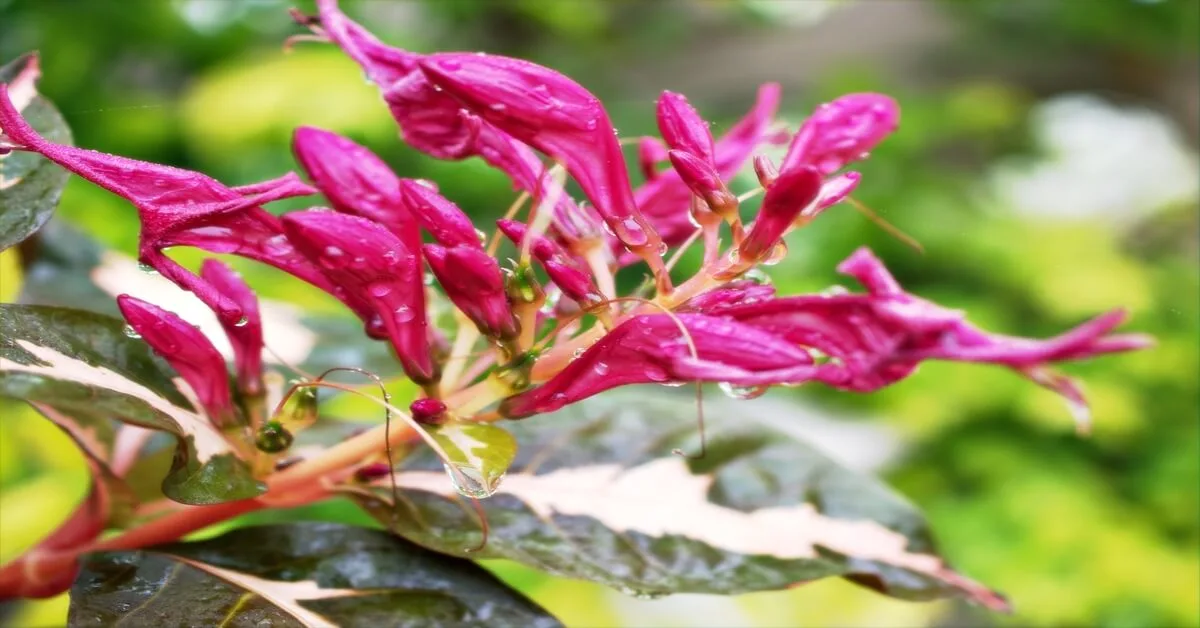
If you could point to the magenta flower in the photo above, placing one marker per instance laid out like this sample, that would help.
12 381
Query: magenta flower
355 180
557 116
570 277
368 261
649 348
717 326
472 280
245 334
842 131
188 351
435 123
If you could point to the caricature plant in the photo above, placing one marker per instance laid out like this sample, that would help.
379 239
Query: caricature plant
510 332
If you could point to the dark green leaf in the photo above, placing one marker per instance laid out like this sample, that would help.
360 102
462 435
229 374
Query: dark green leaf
314 574
30 185
596 493
82 365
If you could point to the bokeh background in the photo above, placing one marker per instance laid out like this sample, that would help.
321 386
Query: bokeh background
1046 161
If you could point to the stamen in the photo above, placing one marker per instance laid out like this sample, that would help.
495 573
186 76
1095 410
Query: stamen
888 227
512 211
543 213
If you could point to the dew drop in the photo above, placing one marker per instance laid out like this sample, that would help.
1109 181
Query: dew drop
403 314
333 257
498 107
146 268
733 391
242 322
591 124
672 384
579 352
471 482
428 279
379 289
758 276
776 255
601 368
834 291
483 237
131 332
277 245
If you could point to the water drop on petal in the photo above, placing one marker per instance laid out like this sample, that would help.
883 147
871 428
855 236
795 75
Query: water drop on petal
733 391
131 332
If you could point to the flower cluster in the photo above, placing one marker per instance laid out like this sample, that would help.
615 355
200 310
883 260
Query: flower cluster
553 329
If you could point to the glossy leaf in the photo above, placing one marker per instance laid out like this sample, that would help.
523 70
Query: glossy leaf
30 185
596 493
85 367
304 574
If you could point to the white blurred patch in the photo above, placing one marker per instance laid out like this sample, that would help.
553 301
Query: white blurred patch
862 445
283 331
1104 162
793 12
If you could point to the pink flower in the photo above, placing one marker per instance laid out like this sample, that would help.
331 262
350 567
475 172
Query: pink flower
188 351
786 198
557 116
183 208
368 261
245 334
435 123
472 280
682 127
575 282
842 131
665 199
649 349
355 180
437 215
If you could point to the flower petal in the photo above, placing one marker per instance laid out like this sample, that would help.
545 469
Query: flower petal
245 335
188 351
842 131
371 263
472 280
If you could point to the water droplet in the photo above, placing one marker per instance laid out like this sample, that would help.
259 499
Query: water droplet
242 322
131 332
601 368
733 391
579 352
333 257
591 124
776 255
672 384
379 289
450 64
428 279
471 482
483 237
834 290
277 245
498 107
146 268
758 276
403 314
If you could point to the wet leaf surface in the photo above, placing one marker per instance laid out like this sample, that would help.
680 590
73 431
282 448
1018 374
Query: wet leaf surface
30 185
84 367
303 574
596 493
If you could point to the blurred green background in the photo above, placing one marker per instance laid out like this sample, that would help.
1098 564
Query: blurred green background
1046 161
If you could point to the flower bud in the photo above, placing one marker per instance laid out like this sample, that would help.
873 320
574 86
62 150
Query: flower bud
682 128
428 411
437 215
472 280
704 181
574 282
791 193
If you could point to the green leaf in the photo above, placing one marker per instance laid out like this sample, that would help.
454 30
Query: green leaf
596 493
304 574
30 185
82 365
